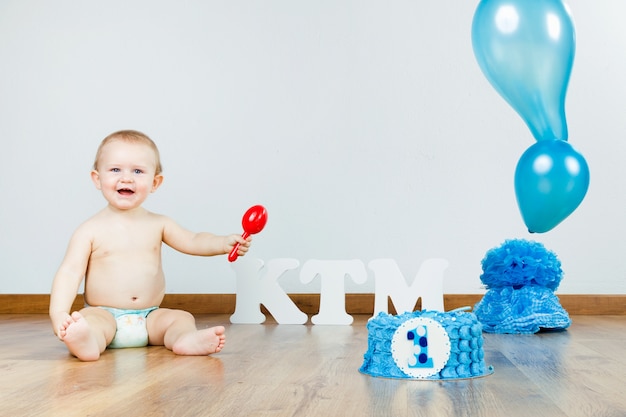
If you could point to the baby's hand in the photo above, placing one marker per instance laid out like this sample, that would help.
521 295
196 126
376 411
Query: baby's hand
244 244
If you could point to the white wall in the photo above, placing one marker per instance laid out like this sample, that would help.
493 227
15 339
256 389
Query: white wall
365 127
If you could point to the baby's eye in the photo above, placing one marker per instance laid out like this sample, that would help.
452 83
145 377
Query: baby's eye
115 170
138 171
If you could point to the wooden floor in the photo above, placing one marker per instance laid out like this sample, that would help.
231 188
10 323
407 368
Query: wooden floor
294 370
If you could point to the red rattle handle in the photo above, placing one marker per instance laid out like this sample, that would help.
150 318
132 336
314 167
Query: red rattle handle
253 222
232 256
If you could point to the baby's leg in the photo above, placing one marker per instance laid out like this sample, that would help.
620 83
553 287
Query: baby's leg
176 330
87 333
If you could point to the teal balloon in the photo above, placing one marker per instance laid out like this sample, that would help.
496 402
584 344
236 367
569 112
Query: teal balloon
551 180
526 50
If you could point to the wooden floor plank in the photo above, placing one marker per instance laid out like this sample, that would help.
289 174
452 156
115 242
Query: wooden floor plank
302 370
569 373
504 393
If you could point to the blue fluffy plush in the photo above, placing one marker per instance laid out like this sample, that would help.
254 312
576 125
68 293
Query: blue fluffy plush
517 263
521 277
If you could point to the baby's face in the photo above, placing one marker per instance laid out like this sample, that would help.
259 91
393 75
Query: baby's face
126 174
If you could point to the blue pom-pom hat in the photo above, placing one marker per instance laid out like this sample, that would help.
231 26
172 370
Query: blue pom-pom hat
517 263
521 277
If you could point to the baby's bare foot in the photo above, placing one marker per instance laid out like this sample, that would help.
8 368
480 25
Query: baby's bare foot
77 336
201 342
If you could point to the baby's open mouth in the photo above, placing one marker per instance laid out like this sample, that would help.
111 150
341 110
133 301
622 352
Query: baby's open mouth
125 191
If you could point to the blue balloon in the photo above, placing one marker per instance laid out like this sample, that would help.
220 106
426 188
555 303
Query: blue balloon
526 49
551 180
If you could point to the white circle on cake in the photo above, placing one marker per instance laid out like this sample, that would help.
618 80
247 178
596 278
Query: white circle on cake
420 347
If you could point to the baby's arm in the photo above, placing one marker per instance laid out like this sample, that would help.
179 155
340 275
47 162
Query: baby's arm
68 278
203 243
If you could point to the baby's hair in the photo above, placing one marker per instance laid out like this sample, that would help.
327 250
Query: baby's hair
131 136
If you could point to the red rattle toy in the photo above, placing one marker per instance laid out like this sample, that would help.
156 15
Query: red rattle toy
253 222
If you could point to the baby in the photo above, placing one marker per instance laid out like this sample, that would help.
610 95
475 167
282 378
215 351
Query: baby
118 253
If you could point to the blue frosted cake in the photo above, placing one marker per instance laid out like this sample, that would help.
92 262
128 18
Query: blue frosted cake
425 345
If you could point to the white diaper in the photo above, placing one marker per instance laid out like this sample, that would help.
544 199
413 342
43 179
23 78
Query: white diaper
131 327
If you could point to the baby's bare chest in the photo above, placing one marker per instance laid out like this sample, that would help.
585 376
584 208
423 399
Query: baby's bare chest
124 241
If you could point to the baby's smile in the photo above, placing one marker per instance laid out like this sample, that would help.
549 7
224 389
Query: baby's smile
125 191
